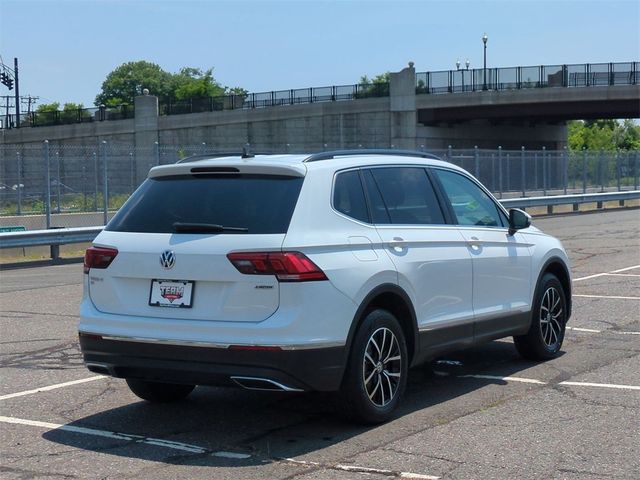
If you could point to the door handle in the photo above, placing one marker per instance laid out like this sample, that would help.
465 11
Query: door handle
474 242
396 243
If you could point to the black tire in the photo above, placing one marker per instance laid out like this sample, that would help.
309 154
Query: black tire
375 401
549 318
157 392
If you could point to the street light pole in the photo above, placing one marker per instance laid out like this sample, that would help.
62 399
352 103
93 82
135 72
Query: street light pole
467 65
484 40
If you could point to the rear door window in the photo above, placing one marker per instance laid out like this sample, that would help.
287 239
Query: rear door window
348 196
408 196
261 204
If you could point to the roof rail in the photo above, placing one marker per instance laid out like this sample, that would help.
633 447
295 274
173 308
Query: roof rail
364 151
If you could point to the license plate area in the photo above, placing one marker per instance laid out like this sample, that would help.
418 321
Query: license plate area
171 293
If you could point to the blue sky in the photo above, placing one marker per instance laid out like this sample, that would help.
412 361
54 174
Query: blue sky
67 47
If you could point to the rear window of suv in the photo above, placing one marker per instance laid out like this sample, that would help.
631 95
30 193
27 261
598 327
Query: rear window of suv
261 204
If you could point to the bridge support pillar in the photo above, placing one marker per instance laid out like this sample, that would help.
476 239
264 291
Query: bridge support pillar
404 118
146 135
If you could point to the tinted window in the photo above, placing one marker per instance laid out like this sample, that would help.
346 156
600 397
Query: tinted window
470 204
348 196
260 203
408 195
379 212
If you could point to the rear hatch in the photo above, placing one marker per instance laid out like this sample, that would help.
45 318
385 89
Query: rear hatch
172 239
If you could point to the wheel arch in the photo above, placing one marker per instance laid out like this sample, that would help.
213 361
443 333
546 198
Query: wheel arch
395 300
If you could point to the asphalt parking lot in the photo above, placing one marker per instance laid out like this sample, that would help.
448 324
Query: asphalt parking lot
480 413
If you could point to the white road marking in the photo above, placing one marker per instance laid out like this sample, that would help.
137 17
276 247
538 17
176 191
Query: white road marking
590 330
601 385
354 468
605 273
589 277
358 469
540 382
578 329
625 269
615 297
505 379
51 387
106 434
622 275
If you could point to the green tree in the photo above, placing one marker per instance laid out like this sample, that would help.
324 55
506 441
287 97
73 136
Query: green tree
377 86
73 112
130 79
194 83
48 107
603 135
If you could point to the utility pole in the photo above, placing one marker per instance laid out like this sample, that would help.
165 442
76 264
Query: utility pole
7 116
15 76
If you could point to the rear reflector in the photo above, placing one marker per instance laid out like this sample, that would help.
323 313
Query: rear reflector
286 266
98 257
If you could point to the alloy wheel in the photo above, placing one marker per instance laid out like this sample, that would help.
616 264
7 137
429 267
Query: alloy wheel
551 317
382 367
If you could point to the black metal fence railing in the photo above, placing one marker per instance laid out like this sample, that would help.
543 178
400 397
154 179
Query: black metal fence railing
516 78
276 98
69 116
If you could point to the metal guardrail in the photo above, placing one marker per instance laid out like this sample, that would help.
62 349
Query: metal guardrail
62 236
574 200
53 237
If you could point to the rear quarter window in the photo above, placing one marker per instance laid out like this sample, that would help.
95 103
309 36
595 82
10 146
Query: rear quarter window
263 204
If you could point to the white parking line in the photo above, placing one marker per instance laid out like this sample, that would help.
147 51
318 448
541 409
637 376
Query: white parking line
588 330
615 297
540 382
105 434
606 273
505 379
363 470
625 269
185 447
51 387
601 385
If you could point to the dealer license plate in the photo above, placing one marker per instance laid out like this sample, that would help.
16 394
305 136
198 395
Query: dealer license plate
171 293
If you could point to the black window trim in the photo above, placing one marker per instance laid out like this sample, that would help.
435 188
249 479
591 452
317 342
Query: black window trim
454 218
443 204
369 222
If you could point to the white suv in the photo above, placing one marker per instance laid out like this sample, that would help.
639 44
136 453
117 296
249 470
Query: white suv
332 271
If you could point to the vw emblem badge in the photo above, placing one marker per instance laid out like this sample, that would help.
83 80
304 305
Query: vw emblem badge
167 259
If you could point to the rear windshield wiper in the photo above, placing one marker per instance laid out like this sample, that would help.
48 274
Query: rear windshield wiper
205 228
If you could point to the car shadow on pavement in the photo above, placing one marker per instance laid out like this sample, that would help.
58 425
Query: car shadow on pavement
256 428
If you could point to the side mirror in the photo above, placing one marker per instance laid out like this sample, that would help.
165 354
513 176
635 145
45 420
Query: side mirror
518 219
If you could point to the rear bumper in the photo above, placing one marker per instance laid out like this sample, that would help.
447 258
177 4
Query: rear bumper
318 369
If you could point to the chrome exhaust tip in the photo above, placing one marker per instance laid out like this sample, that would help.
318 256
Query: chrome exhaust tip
263 384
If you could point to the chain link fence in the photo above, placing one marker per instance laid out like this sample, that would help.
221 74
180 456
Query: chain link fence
53 186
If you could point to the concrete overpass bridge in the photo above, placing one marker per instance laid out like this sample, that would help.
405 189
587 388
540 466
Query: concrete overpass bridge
508 107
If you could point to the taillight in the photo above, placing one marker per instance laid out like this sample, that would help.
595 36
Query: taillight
98 257
286 266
